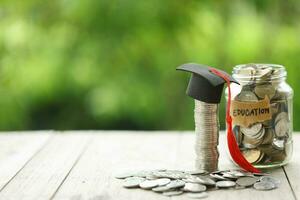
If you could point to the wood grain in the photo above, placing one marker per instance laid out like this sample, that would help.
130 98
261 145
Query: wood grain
42 175
16 149
82 165
293 168
114 152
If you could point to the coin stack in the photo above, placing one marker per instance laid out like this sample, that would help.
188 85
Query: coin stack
267 143
207 135
196 184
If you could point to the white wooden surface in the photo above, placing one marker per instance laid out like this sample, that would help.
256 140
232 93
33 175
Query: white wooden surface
80 165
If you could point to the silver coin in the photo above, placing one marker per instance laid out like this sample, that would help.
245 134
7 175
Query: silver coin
229 175
197 172
151 177
194 187
278 144
225 184
218 177
176 184
161 189
148 184
282 127
172 193
282 115
246 181
265 90
200 195
270 179
133 182
252 130
206 181
124 175
238 173
264 186
163 181
247 96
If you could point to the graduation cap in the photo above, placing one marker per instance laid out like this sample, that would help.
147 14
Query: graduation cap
204 85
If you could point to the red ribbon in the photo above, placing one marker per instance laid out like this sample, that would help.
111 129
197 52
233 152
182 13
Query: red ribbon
233 147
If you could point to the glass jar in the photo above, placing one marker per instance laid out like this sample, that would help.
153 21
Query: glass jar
262 113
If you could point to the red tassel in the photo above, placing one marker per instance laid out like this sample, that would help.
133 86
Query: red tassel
233 147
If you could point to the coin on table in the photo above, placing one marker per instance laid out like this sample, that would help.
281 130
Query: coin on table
172 193
163 181
200 195
218 177
246 181
252 130
194 187
270 179
133 182
206 181
252 155
264 186
124 175
229 175
161 189
238 173
148 184
265 90
176 184
197 172
225 184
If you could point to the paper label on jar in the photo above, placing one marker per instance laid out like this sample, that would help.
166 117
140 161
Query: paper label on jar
247 113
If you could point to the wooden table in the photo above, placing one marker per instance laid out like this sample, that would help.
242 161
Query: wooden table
79 165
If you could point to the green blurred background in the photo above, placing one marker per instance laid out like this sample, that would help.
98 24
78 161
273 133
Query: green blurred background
110 64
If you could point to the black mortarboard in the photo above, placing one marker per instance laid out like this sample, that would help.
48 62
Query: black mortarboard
204 85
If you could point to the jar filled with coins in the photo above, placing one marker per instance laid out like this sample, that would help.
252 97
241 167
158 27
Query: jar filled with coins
262 113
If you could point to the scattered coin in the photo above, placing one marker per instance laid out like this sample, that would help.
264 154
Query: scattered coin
173 193
246 181
148 184
264 186
133 182
194 187
176 184
161 189
163 181
124 175
225 184
270 179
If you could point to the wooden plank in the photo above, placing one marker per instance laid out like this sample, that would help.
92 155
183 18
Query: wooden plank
292 169
17 149
41 177
113 152
185 160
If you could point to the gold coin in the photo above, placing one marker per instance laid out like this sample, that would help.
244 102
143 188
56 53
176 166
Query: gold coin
252 155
